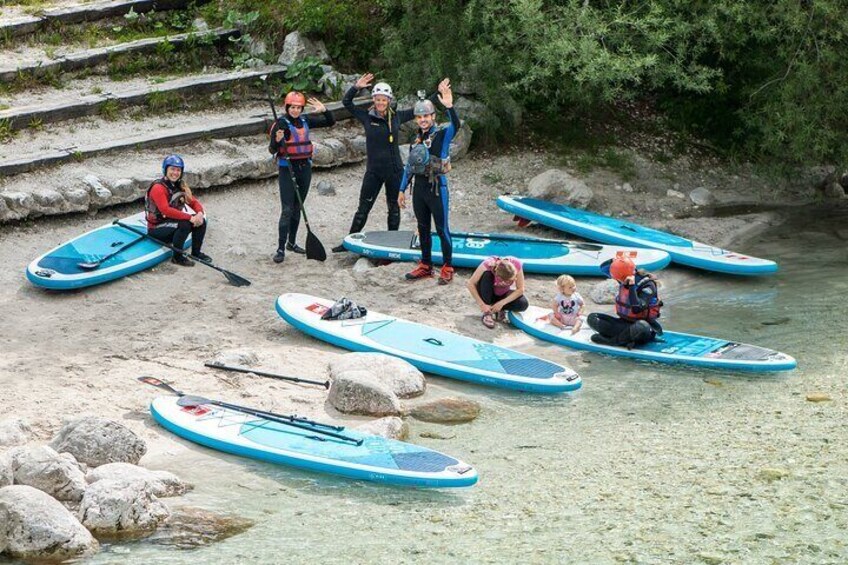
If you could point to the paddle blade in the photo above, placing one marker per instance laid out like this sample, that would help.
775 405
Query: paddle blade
193 401
235 279
314 248
158 383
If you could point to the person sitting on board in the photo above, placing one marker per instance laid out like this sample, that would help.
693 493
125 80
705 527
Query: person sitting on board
427 165
637 305
290 143
498 285
568 305
172 212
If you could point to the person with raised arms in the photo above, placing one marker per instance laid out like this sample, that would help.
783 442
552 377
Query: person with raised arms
173 213
292 147
426 169
384 166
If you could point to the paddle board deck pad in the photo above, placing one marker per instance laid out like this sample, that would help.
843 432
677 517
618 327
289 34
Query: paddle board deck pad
537 255
58 269
430 349
671 347
619 232
378 459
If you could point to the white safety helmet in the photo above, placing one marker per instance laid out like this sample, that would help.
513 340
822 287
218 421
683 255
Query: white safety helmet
382 88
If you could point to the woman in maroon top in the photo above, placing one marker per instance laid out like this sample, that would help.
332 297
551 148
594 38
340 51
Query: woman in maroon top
497 286
173 212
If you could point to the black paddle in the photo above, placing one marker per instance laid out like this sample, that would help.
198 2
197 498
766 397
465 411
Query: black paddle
95 264
325 384
508 237
293 421
233 278
314 247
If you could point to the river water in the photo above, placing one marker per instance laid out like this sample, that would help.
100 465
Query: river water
646 464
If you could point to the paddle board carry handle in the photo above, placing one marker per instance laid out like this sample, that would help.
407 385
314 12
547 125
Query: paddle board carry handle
434 341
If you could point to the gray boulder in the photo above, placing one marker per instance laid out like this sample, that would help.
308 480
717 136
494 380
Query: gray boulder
97 441
13 431
357 392
449 410
399 376
390 427
297 47
604 292
41 467
5 471
834 190
162 483
557 184
325 188
35 526
112 506
100 194
49 201
701 197
461 142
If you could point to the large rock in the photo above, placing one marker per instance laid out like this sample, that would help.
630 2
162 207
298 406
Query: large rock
557 184
297 47
161 483
701 196
188 528
126 507
403 379
390 427
357 392
34 526
5 472
49 201
448 410
100 194
13 431
604 292
41 467
97 441
461 142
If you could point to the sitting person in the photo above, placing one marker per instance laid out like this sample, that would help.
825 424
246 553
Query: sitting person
172 212
567 305
498 285
637 305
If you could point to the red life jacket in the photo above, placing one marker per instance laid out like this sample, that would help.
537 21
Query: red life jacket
298 146
175 198
649 304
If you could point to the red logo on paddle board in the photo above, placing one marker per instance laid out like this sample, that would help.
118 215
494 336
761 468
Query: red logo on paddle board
630 254
196 410
317 308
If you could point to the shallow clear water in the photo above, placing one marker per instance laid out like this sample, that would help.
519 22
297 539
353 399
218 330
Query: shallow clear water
645 464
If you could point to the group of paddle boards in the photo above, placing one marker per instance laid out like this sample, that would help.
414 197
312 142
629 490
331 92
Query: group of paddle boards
114 251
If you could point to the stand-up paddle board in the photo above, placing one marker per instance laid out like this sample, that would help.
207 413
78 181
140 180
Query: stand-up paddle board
430 349
60 268
375 458
544 256
620 232
671 347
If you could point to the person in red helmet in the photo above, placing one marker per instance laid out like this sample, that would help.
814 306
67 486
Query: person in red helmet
637 305
291 145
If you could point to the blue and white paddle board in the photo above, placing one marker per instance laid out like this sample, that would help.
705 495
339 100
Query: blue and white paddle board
58 269
544 256
671 347
620 232
378 459
430 349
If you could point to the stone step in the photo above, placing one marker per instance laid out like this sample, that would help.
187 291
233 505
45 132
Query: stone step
98 55
93 11
66 109
225 127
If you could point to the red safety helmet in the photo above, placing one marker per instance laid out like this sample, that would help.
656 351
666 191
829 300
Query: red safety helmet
295 98
622 267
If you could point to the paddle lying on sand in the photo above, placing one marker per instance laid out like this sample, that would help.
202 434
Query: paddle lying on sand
314 247
233 278
90 266
288 420
325 384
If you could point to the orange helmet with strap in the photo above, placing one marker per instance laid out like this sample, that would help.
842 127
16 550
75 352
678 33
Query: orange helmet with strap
622 267
295 98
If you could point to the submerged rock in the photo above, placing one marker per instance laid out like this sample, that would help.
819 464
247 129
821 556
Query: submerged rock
34 525
96 441
390 427
188 528
449 410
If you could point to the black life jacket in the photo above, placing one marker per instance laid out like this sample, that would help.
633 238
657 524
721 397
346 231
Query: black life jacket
176 198
649 303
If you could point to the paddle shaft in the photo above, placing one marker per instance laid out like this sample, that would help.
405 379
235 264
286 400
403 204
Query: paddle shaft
507 237
234 279
95 264
325 384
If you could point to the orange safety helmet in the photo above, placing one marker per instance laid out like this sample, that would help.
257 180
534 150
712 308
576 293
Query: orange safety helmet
295 98
622 267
